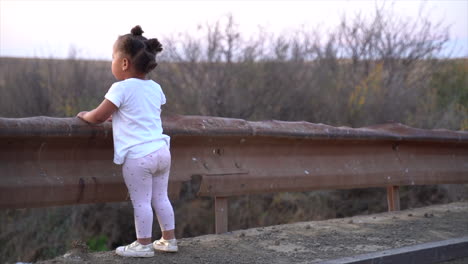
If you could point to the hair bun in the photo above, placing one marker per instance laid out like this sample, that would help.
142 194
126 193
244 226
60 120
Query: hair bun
154 45
137 31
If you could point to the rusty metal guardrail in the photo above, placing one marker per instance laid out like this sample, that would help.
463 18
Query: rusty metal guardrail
48 161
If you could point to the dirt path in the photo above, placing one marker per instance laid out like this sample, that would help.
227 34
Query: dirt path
308 242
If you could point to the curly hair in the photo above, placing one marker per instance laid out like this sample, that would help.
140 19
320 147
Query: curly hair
142 51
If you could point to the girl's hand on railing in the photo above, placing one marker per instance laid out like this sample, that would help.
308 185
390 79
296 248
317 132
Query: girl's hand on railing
80 115
100 114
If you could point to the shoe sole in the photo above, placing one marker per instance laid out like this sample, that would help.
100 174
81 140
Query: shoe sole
166 250
143 255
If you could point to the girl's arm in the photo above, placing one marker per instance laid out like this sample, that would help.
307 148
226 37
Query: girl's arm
102 113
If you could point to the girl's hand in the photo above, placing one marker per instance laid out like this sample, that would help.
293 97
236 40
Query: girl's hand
99 115
109 119
80 115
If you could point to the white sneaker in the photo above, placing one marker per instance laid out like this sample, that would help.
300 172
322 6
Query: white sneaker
135 249
166 245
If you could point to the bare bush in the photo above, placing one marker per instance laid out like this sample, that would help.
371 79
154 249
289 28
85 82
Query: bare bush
53 87
366 71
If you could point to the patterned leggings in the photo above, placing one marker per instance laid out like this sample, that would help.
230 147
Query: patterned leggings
147 179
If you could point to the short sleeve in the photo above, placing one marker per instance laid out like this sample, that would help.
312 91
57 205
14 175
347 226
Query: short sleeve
116 94
162 95
163 98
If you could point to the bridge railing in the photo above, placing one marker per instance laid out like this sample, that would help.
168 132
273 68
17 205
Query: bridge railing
48 161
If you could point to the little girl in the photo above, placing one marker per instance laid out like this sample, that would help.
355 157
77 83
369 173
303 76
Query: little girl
134 102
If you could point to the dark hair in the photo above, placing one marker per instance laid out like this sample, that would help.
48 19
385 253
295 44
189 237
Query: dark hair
142 51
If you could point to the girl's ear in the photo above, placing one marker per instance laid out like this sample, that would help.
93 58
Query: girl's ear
125 64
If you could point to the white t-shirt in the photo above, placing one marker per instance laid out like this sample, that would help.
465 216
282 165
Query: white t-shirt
136 125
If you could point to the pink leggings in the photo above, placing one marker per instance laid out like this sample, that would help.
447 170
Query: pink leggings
147 179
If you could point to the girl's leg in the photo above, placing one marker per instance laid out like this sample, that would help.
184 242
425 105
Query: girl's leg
160 200
138 179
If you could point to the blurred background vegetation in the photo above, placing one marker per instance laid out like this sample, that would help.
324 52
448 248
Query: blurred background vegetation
364 72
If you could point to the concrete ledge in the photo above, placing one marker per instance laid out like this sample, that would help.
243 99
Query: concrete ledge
311 242
433 252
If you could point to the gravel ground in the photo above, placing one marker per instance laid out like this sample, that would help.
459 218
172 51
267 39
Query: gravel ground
307 242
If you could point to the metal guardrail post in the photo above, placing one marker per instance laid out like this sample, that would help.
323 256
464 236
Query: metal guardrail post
393 198
221 214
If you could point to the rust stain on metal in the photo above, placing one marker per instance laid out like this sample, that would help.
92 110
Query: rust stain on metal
47 161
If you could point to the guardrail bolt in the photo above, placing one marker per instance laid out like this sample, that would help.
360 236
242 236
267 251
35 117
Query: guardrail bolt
218 151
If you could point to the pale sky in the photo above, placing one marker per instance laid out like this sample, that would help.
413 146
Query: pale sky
49 28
